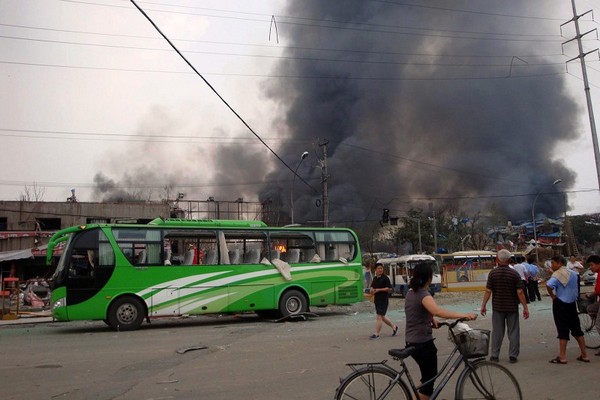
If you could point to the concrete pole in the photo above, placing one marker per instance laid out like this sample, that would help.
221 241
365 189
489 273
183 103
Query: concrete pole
588 96
325 178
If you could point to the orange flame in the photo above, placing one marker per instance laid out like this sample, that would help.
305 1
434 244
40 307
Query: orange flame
280 247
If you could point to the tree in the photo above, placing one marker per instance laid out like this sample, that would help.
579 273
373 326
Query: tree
586 229
408 230
33 193
478 239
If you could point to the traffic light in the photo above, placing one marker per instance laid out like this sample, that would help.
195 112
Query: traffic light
385 218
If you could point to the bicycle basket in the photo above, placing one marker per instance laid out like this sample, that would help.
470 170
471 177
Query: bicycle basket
583 303
473 343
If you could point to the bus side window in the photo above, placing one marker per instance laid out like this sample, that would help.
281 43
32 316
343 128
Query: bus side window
252 256
234 256
211 257
242 247
293 256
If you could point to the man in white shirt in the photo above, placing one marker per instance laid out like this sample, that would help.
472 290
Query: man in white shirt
574 265
524 274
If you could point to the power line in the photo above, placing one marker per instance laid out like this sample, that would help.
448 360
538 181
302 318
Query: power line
435 166
456 10
283 76
290 47
121 185
326 22
142 137
221 98
279 17
281 57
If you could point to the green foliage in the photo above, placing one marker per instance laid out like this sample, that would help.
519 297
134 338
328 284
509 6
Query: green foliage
586 229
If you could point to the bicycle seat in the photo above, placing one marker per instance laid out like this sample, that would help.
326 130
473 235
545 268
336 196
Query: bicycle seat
402 353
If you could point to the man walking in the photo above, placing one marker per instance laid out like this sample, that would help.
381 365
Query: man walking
505 287
564 290
532 284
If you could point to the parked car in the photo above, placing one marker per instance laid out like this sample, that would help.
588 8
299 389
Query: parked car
588 277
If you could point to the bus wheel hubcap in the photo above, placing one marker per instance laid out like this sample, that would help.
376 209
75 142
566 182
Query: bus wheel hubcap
127 313
293 305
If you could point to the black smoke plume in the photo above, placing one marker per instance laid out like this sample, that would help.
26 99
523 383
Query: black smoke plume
423 116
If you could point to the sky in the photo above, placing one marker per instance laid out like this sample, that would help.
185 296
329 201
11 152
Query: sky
413 96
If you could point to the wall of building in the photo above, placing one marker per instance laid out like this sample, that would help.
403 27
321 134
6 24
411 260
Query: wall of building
26 224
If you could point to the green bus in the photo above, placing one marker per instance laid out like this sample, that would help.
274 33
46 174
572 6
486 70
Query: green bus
125 273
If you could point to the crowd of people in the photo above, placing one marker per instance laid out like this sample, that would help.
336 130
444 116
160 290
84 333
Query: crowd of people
508 286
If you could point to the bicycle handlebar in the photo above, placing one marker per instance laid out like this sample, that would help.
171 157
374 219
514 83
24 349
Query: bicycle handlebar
453 324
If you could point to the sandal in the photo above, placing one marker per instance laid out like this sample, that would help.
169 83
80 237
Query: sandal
557 360
585 360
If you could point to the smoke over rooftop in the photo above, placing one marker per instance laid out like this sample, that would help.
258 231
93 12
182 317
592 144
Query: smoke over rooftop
419 116
421 105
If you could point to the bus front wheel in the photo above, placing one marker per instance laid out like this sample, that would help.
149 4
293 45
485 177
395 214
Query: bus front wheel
292 302
126 314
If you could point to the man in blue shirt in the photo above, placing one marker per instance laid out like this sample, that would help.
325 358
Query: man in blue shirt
563 287
532 283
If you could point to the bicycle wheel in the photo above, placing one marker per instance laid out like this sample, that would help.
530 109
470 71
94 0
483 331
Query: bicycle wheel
370 383
591 335
488 380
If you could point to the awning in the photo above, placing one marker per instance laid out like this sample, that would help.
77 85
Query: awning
39 251
15 255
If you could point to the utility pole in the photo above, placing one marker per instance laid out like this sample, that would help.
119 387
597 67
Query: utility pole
325 177
586 85
435 246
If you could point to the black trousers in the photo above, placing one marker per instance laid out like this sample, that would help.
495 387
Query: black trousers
426 358
533 289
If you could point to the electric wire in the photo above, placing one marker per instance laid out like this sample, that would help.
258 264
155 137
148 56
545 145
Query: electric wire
284 76
282 57
221 98
350 28
289 47
291 17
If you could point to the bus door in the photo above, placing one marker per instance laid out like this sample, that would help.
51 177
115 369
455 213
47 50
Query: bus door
91 264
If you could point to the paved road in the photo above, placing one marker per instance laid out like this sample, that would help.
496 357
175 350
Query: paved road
247 358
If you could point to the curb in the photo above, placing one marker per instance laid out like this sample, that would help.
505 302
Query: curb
26 320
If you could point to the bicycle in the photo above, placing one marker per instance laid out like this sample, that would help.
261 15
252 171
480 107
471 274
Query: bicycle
479 378
588 323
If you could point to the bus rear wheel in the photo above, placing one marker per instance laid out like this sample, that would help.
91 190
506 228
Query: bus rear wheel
292 302
126 314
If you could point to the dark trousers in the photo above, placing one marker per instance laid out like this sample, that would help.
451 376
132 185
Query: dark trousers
533 290
525 290
426 358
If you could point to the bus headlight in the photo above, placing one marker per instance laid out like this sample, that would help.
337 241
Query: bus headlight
59 303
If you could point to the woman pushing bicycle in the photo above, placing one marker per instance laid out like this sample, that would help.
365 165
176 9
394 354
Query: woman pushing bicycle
420 309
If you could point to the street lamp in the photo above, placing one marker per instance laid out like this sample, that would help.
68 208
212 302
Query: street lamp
302 157
537 259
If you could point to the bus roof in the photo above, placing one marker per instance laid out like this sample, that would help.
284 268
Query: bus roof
470 253
233 223
406 258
